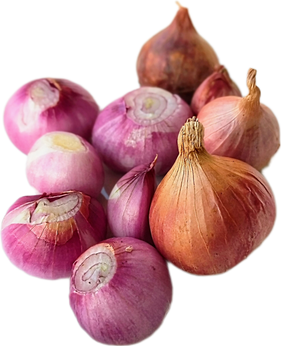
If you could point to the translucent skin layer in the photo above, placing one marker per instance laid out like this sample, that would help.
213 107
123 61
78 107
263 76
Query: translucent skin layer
66 107
130 290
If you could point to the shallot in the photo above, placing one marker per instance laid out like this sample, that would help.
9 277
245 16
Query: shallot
241 127
218 84
120 290
209 212
129 203
60 161
133 129
46 105
44 234
177 58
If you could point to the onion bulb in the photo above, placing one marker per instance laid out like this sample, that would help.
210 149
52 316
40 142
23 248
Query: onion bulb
46 105
241 127
129 203
177 58
131 130
60 161
218 84
44 234
120 290
209 212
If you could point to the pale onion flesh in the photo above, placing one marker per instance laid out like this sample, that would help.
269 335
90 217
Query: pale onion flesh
209 212
44 234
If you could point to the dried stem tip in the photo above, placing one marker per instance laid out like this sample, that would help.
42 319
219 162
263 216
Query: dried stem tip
190 137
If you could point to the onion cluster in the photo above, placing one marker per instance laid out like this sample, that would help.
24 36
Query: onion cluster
171 171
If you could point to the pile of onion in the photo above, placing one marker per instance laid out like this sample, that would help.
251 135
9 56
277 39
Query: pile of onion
209 212
120 290
46 105
60 161
177 58
133 129
129 203
218 84
44 234
241 127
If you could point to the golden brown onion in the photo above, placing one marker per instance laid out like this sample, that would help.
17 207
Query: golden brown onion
209 212
177 58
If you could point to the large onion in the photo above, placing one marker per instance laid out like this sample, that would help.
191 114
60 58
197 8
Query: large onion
241 127
209 212
120 290
44 234
46 105
177 58
133 129
60 161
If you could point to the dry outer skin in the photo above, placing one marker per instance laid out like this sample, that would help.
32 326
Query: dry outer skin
210 212
177 58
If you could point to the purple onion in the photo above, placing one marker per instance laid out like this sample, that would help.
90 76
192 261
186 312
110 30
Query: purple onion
129 203
44 234
120 290
61 161
46 105
133 129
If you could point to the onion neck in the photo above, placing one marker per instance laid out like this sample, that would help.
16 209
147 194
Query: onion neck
190 138
251 103
182 20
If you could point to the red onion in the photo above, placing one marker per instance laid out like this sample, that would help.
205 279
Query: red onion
129 203
44 234
241 127
177 58
120 290
46 105
218 84
133 129
60 161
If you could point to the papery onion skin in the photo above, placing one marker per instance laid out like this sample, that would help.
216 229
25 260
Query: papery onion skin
46 105
60 161
126 296
129 203
133 129
44 234
209 212
177 58
218 84
242 128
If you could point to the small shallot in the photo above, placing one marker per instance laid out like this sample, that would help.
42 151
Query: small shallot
129 203
218 84
241 127
133 129
209 212
46 105
120 290
177 58
60 161
44 234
